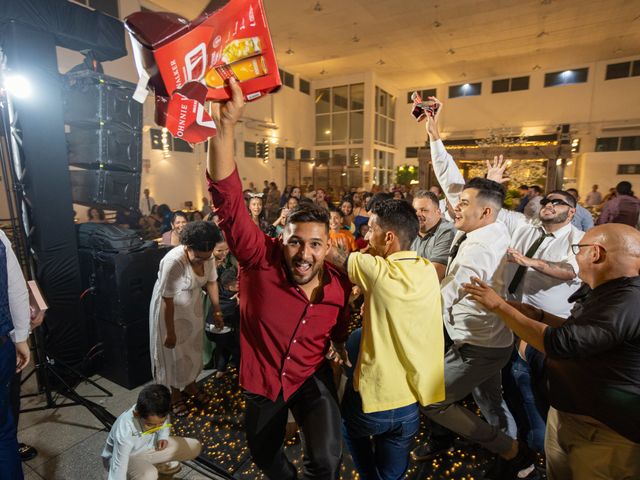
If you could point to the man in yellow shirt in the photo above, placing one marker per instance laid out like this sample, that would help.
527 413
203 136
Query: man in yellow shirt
401 355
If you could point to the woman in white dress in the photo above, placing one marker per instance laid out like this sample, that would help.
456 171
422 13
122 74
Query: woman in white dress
176 315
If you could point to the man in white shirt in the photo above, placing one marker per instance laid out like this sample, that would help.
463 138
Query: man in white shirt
481 345
594 197
14 351
146 203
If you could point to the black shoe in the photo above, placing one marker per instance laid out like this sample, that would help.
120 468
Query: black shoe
26 452
428 450
520 467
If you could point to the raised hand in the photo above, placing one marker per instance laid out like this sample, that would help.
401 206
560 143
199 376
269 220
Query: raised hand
496 169
432 119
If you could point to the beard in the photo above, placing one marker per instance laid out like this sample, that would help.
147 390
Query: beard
303 271
559 218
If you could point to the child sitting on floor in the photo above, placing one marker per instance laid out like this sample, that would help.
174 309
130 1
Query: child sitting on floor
139 445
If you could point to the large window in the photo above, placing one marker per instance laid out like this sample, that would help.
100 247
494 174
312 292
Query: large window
340 167
429 92
383 170
340 115
622 70
465 90
385 127
566 77
614 144
510 85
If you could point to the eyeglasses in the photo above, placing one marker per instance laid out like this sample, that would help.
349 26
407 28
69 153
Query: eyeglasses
555 202
575 248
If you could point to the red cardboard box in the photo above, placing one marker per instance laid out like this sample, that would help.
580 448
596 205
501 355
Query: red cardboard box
187 63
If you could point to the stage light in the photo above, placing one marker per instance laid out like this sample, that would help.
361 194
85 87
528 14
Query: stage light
18 86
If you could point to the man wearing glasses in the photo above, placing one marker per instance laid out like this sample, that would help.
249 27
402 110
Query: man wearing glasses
592 359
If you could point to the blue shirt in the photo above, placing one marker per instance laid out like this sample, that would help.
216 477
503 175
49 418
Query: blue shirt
582 219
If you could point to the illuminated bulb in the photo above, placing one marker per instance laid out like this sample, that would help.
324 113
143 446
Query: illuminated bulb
18 86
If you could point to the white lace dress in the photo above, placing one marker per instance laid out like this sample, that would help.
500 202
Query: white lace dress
179 366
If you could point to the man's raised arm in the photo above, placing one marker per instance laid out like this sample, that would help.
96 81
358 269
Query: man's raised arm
445 169
226 115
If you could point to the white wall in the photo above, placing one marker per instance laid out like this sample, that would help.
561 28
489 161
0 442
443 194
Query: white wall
599 168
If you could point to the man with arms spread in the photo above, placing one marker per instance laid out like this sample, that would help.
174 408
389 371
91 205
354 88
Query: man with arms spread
592 358
435 235
293 305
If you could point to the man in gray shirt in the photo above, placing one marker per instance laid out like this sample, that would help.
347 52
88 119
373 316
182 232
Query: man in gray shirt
436 234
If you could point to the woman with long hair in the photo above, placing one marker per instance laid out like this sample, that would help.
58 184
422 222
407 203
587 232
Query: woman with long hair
176 316
256 210
96 215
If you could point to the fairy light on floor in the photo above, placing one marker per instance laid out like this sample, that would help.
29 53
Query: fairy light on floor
219 426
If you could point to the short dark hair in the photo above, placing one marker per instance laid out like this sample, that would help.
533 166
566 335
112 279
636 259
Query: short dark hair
573 191
429 195
308 213
523 187
488 190
336 210
378 198
537 189
228 276
178 213
571 200
154 400
399 217
201 236
624 188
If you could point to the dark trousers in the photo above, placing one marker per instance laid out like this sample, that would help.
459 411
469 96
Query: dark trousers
315 407
227 348
10 464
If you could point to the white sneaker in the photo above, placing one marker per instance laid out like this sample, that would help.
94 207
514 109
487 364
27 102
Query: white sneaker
169 468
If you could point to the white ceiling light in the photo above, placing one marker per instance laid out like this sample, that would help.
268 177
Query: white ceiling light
317 7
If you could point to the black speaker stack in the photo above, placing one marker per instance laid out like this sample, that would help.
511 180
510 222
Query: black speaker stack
120 287
104 140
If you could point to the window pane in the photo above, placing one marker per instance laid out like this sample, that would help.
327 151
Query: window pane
617 70
376 129
250 150
323 103
411 152
500 86
289 79
357 96
519 83
381 101
630 143
280 153
391 111
110 7
339 128
390 161
635 71
305 154
323 154
391 132
323 129
339 158
290 153
354 177
566 77
430 92
340 99
180 145
472 88
305 86
608 144
382 133
356 127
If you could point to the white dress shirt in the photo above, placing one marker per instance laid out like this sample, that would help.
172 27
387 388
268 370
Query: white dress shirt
452 183
481 255
126 438
537 288
18 295
146 204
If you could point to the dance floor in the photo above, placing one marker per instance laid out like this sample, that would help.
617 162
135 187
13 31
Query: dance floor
219 428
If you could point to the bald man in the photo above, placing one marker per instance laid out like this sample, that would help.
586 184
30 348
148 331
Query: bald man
592 359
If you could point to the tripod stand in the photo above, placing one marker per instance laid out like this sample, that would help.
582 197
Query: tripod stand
47 367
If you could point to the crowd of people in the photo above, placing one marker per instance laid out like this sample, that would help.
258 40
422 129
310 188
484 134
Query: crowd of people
531 312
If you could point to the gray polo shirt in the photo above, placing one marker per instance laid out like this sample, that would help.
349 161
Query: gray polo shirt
435 245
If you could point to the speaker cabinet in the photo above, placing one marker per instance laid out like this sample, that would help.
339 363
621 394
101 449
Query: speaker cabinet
105 188
112 147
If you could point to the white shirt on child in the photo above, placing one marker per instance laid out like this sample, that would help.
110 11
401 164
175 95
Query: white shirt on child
126 438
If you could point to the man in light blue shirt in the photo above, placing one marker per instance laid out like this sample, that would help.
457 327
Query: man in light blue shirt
582 218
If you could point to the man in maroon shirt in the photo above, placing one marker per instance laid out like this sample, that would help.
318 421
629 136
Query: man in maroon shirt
292 304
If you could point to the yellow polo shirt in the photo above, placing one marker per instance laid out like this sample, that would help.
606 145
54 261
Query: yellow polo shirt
401 358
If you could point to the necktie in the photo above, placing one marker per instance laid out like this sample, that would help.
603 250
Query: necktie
149 204
456 247
517 278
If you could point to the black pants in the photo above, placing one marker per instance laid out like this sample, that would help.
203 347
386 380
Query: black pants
315 407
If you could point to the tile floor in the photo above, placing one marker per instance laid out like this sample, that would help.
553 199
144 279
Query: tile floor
69 440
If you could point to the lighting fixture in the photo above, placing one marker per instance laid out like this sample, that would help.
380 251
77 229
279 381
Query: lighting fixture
542 34
317 7
380 62
536 67
451 51
436 24
289 51
18 86
323 72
